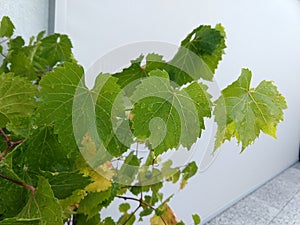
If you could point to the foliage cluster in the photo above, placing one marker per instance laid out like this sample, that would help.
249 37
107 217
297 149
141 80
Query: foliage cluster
54 169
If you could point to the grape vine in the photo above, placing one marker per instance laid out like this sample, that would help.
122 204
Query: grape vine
69 151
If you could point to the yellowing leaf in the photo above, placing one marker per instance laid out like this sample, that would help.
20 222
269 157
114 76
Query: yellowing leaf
99 184
242 112
100 175
72 202
168 217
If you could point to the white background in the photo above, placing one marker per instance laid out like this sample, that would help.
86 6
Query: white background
29 17
261 35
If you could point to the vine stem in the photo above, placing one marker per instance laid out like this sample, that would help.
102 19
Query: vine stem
10 144
7 140
131 215
27 186
141 203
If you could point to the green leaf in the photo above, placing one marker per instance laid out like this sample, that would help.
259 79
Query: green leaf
146 212
16 43
16 99
70 203
20 221
42 204
130 77
165 116
112 123
56 100
94 202
83 220
21 65
199 55
196 219
53 49
13 197
124 207
6 27
132 73
42 151
108 221
189 171
248 110
64 183
129 169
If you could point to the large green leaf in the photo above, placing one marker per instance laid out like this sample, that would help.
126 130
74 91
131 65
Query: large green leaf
56 100
43 205
64 183
16 99
6 27
199 55
242 112
167 117
42 151
66 102
112 124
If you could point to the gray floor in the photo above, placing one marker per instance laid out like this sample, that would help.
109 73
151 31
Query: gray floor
275 203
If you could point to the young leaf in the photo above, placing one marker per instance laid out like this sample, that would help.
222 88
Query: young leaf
196 219
16 99
248 110
124 207
6 27
167 117
42 204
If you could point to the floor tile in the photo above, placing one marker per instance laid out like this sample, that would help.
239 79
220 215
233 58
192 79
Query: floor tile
249 211
277 192
275 203
290 214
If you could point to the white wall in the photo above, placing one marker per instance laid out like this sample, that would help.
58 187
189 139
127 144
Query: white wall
261 35
29 16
